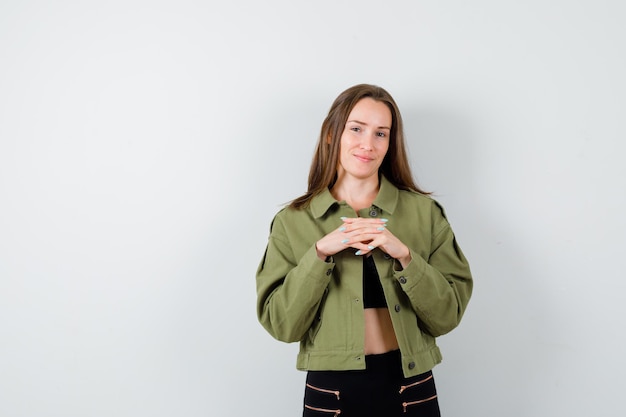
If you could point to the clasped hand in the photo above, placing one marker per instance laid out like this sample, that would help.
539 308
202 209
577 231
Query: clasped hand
364 235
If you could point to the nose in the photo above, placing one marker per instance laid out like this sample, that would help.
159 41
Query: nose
367 142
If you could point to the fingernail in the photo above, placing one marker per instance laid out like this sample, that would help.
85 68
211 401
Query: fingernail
345 241
384 220
342 229
380 228
358 252
343 218
370 247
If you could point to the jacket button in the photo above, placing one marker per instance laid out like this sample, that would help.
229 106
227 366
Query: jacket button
387 256
397 308
411 365
329 271
373 213
402 280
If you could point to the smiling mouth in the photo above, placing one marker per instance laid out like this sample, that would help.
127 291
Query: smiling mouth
363 158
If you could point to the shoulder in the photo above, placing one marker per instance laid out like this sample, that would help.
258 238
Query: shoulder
424 207
288 216
419 200
288 212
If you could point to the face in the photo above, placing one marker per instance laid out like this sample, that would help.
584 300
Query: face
365 140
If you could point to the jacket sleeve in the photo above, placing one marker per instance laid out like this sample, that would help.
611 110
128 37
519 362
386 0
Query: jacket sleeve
439 287
289 288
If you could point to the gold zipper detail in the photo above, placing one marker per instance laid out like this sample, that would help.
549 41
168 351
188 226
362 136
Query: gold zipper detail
406 404
327 391
404 387
325 410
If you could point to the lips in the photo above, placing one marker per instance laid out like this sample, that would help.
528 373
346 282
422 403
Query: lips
363 158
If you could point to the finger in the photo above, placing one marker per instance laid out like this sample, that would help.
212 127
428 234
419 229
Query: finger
363 229
363 220
364 249
367 237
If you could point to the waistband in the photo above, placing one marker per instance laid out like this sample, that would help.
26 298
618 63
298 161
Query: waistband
386 363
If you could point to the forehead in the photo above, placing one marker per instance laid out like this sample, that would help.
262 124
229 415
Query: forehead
370 111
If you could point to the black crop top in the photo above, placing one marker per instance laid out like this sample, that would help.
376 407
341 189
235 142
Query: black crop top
373 295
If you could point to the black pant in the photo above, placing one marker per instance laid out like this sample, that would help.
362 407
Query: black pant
378 391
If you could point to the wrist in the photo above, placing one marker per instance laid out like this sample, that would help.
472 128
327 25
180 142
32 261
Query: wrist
406 259
321 254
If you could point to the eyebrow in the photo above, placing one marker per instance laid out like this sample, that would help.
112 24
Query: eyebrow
365 124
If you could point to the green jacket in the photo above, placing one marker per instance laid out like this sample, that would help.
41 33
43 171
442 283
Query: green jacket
301 298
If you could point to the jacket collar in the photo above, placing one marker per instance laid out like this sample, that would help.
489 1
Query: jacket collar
387 199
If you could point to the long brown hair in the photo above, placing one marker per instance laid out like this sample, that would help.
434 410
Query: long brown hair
323 172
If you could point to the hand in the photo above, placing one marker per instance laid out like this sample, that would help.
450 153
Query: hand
363 234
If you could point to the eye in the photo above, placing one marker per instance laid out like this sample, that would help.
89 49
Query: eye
381 134
355 129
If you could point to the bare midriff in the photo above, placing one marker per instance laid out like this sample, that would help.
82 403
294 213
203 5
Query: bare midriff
379 334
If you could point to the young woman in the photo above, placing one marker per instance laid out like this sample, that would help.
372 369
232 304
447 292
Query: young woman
363 270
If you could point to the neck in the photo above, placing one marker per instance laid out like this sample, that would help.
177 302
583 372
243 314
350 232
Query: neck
358 193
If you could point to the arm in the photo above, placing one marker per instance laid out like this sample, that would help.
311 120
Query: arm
439 287
289 288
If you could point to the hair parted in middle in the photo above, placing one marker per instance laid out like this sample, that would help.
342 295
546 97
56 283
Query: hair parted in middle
323 172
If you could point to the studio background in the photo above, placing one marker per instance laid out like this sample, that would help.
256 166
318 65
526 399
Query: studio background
146 145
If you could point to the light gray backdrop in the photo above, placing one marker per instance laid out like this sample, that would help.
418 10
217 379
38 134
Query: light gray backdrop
146 145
